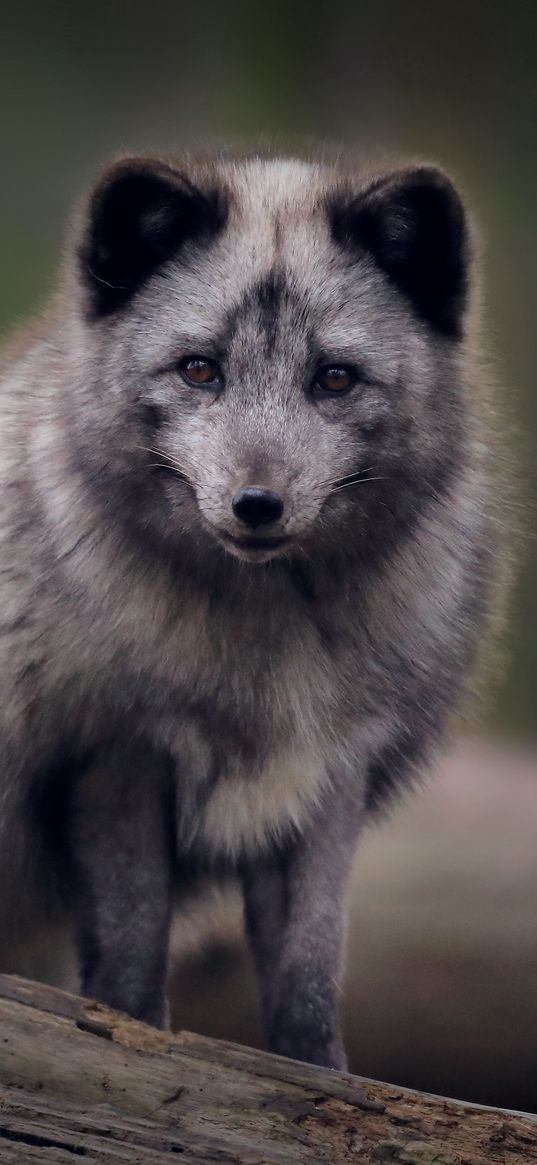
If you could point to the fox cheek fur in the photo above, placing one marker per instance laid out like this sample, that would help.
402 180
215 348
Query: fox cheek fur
250 547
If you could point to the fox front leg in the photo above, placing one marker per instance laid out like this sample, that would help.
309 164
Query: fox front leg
296 916
122 850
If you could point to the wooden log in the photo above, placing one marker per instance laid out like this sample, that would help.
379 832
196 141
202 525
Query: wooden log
78 1081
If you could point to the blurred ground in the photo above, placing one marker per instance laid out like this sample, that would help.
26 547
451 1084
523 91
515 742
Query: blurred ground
442 977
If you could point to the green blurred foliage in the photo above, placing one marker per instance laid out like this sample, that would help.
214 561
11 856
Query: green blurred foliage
455 82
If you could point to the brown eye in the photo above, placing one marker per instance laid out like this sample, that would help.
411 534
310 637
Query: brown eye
204 373
335 378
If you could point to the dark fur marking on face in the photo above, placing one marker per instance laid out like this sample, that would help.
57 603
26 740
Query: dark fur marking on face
270 294
263 301
151 416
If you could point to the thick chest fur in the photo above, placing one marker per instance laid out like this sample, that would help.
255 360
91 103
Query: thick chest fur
248 808
245 705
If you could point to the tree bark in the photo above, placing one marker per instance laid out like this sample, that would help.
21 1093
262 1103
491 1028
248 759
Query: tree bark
80 1081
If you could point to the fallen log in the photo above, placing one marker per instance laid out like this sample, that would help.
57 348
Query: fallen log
80 1081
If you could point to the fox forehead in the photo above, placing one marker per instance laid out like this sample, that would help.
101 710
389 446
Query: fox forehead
276 209
277 218
266 187
275 259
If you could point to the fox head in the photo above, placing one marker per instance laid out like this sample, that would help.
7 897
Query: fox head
269 351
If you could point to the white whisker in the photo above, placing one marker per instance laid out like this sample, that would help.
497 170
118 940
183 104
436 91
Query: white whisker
357 481
331 482
168 460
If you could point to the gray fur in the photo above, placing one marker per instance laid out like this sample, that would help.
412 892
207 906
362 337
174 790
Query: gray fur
170 700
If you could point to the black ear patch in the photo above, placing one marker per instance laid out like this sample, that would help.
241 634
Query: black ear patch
413 223
140 215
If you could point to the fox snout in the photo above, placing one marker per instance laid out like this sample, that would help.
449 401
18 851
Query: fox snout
254 505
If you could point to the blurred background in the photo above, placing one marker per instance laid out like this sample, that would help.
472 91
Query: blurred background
443 955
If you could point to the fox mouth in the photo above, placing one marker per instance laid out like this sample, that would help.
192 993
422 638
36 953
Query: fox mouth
253 547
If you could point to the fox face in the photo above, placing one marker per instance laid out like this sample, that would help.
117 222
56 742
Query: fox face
272 352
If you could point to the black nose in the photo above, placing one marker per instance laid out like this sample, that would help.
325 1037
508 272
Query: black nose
255 505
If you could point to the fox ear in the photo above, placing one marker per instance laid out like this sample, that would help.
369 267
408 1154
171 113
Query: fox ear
140 214
414 224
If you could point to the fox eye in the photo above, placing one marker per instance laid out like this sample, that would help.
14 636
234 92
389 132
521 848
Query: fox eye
335 378
201 372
